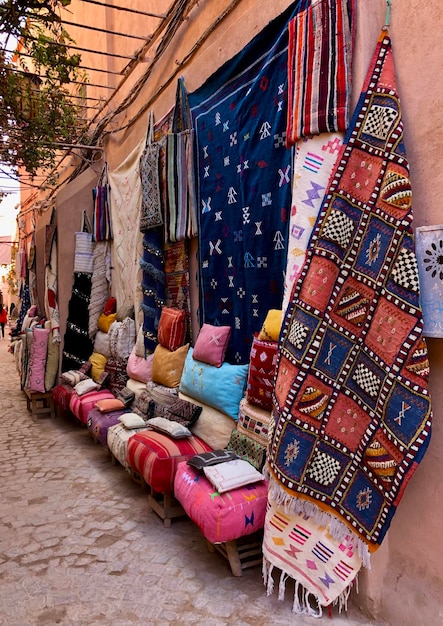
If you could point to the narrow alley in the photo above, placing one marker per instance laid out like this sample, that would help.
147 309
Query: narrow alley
80 547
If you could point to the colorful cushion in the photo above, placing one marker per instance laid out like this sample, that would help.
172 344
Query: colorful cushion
172 328
109 404
85 386
98 363
52 359
254 422
132 420
168 427
199 461
220 517
161 394
72 377
98 424
110 306
211 344
262 363
221 387
126 396
117 376
61 395
122 337
155 456
105 321
117 442
183 412
270 331
167 365
80 406
142 404
212 426
37 359
136 386
232 474
247 449
101 343
139 368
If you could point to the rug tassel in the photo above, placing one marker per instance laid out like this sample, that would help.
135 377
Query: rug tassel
270 585
297 606
282 586
314 609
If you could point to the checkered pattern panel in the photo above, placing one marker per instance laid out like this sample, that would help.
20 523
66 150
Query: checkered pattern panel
405 272
297 334
338 228
324 469
367 380
380 121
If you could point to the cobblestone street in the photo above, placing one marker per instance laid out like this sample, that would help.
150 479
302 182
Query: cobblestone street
79 545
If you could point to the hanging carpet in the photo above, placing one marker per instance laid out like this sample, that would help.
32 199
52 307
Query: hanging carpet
352 409
314 161
244 186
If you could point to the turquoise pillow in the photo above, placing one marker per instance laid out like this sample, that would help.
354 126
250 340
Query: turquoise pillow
220 387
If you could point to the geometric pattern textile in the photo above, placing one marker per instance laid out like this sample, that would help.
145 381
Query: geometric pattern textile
320 53
244 186
314 160
307 552
220 517
352 412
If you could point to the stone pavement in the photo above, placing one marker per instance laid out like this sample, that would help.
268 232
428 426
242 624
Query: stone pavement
80 547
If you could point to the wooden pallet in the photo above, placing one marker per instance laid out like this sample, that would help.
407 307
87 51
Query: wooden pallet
241 553
40 404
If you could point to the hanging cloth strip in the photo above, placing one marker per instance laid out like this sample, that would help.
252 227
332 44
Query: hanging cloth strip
101 216
180 172
319 68
151 210
84 247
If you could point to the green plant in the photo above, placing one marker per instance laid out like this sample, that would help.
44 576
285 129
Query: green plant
37 113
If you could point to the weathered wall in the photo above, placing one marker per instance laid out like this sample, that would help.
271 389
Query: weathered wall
406 580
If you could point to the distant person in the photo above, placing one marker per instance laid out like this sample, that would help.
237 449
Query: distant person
12 310
3 319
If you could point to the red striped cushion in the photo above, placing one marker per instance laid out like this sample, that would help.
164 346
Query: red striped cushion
155 457
81 405
61 395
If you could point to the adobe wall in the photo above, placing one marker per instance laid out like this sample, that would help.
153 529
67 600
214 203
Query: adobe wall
405 584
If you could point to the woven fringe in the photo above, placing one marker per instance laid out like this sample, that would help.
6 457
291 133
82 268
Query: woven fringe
338 529
153 272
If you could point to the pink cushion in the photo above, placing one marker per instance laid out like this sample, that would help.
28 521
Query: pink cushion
37 359
139 368
262 363
172 328
81 405
211 344
155 456
220 517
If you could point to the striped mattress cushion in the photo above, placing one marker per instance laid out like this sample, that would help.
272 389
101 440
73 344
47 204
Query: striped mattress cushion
80 406
156 456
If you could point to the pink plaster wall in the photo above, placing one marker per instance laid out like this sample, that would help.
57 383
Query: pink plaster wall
405 584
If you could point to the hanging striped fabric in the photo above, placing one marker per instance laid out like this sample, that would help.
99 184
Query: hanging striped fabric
319 68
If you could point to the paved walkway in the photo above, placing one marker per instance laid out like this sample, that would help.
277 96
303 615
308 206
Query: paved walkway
80 547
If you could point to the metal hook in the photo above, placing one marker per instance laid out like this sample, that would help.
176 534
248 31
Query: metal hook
388 15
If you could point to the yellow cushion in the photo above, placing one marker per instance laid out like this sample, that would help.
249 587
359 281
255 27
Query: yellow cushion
167 366
270 330
98 362
105 321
